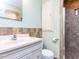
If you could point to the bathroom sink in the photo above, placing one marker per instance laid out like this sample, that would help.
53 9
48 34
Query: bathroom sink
20 40
7 42
10 42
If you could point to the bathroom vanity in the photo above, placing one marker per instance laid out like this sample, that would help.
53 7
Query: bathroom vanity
22 48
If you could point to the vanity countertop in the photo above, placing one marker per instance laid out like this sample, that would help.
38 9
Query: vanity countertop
7 45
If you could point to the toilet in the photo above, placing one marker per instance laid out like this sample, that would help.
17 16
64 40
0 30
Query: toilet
47 54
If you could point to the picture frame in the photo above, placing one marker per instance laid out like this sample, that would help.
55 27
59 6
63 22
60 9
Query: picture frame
10 15
11 10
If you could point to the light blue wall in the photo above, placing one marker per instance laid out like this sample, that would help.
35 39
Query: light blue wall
49 36
31 16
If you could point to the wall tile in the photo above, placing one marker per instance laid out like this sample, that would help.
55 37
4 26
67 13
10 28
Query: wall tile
72 35
34 32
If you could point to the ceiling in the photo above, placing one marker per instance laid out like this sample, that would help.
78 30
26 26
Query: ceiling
74 4
70 0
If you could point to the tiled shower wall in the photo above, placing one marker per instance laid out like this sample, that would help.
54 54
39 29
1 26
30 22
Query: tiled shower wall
71 35
33 32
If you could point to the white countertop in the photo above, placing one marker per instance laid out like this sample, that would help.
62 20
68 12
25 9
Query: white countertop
6 45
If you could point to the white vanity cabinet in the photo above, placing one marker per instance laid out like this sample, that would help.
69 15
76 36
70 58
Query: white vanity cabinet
31 51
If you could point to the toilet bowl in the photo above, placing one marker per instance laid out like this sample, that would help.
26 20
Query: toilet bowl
47 54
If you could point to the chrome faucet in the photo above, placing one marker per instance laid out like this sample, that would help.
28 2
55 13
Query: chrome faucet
14 37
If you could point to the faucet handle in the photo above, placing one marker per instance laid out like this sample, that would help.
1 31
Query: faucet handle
14 37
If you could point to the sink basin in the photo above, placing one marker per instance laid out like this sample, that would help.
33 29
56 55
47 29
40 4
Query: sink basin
17 41
9 42
6 43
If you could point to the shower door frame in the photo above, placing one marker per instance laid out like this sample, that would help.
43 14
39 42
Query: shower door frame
62 30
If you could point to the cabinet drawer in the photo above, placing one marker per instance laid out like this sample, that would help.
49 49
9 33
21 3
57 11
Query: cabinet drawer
33 55
16 55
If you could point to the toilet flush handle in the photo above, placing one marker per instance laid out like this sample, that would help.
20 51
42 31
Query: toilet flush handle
54 40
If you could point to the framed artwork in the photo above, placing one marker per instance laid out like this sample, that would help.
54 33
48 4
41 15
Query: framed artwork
11 9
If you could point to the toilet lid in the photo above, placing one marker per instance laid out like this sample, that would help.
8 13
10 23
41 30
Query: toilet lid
48 53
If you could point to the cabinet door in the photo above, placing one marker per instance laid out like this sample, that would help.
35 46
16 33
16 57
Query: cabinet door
37 54
27 56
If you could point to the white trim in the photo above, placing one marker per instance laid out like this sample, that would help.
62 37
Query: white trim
62 30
